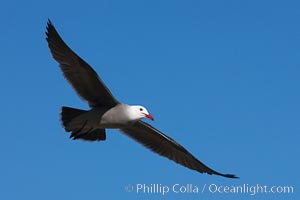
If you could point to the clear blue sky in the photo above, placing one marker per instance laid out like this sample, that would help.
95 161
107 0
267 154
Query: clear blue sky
220 77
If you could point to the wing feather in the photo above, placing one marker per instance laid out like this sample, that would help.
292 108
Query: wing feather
79 74
165 146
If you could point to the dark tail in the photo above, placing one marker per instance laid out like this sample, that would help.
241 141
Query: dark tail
79 127
67 114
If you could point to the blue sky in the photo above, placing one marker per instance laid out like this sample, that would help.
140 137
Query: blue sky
220 77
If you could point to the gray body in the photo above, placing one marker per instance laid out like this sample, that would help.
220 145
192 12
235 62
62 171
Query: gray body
101 118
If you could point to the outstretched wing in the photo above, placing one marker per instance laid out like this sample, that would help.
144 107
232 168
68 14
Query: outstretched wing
165 146
79 74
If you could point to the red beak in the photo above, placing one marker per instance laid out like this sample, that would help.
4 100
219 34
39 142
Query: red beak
149 117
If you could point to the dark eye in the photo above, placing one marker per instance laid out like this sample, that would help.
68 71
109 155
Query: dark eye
141 109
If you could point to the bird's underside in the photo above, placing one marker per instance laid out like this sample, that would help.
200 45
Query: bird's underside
85 124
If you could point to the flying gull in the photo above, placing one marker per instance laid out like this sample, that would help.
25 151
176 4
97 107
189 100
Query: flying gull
107 112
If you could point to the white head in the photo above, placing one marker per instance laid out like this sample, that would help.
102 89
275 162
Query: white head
139 112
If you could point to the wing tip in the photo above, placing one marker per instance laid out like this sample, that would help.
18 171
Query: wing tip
49 27
230 176
52 35
49 23
224 175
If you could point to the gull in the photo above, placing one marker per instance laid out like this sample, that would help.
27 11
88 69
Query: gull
108 113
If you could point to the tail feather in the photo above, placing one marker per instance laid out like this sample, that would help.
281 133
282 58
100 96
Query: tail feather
80 128
67 114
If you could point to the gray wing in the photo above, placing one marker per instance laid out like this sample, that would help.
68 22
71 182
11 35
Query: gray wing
167 147
79 74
